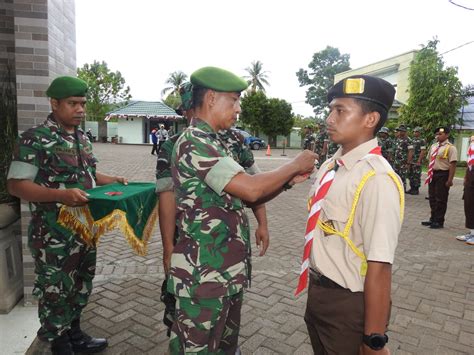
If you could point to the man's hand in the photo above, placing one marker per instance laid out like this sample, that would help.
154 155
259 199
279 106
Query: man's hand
122 180
73 197
449 183
299 179
262 237
305 162
365 350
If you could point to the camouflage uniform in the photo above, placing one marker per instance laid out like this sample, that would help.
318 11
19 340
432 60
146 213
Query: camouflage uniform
332 149
387 146
64 264
418 144
321 138
241 153
400 157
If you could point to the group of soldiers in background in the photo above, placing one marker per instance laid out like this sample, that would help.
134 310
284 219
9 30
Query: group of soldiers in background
405 154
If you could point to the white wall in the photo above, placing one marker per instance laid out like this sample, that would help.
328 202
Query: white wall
130 131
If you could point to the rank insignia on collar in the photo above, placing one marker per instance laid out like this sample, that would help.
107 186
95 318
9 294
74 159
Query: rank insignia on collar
354 86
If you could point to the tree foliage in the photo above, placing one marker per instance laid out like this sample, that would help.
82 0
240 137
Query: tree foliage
174 82
257 76
320 76
272 116
106 88
435 92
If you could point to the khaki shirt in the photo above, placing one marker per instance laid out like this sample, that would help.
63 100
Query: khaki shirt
442 159
377 219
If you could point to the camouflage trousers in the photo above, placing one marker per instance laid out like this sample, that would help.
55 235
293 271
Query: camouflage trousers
64 268
414 176
206 325
402 171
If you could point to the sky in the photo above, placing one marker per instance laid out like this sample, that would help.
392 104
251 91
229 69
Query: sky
147 40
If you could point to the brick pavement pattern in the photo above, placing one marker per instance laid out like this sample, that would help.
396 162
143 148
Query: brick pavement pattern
433 278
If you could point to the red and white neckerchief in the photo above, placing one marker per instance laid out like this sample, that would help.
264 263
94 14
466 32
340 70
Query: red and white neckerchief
470 157
314 212
433 155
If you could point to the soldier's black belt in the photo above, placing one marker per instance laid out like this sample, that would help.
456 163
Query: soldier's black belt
323 281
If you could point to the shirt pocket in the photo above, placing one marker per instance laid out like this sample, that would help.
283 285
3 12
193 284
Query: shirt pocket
334 216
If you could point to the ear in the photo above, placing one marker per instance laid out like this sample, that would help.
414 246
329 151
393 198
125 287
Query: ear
210 97
54 104
372 119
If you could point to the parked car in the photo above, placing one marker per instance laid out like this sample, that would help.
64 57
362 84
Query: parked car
253 142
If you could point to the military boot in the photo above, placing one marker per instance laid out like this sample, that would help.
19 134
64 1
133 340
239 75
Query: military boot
61 346
413 192
83 343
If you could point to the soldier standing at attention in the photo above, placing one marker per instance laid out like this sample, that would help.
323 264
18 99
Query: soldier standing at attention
53 165
165 189
210 264
353 229
442 166
419 153
403 154
386 144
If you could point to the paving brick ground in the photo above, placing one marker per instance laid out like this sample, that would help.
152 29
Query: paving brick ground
433 278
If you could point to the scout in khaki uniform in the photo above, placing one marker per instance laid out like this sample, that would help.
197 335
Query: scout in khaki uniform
52 166
210 264
468 196
165 189
356 233
443 157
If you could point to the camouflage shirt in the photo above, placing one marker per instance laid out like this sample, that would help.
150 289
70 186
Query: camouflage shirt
401 147
332 149
418 144
232 139
212 254
53 158
320 139
387 145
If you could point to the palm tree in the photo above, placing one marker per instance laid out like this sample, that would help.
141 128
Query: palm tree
175 80
257 76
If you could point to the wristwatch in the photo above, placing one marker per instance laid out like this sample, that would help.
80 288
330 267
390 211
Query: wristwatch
375 341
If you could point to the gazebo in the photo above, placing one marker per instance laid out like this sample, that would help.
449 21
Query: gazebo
136 120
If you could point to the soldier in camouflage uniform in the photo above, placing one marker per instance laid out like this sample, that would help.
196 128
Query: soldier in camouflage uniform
419 153
386 144
165 189
321 144
210 264
53 165
403 154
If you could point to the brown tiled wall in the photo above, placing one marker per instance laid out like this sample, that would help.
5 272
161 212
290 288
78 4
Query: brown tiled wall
44 47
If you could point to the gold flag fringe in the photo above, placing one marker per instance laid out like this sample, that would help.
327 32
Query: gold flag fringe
79 219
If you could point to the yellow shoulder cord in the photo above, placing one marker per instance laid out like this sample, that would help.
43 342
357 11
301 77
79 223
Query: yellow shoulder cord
328 229
445 155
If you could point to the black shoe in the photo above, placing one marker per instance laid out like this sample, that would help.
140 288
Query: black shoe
426 223
61 346
89 345
436 225
83 343
413 192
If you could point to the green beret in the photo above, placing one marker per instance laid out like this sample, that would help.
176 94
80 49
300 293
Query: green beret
218 79
364 87
66 86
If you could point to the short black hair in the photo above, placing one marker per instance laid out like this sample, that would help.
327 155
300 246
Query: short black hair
198 95
370 106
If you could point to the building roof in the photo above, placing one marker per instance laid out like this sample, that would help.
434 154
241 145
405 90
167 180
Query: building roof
147 109
466 113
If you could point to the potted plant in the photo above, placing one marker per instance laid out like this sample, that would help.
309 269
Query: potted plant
9 205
